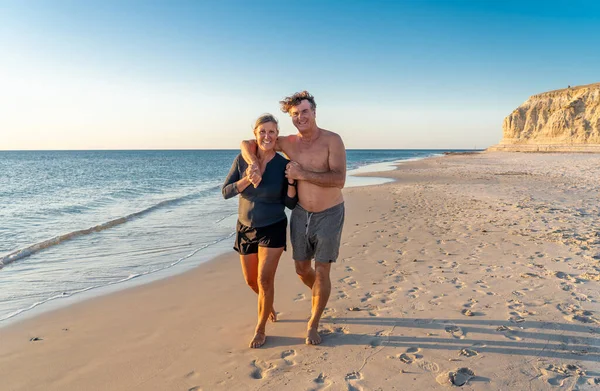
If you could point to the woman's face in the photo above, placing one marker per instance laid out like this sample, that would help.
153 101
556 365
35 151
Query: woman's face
266 135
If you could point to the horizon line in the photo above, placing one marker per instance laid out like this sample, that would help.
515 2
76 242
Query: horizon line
229 149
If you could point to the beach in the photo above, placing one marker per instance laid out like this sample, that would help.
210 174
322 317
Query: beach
471 270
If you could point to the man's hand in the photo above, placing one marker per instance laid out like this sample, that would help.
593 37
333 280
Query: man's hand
253 174
293 170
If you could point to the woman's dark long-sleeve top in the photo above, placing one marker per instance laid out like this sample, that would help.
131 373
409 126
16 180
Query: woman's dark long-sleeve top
264 205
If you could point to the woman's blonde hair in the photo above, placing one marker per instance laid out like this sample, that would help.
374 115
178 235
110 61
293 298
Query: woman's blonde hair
265 118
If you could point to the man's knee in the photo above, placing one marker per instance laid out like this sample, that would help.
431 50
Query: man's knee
322 270
303 268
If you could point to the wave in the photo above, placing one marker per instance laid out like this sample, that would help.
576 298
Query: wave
37 247
128 278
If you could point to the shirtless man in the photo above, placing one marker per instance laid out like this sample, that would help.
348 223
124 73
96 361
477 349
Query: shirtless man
318 166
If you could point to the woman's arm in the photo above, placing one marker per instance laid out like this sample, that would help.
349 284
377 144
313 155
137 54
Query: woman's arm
233 184
291 197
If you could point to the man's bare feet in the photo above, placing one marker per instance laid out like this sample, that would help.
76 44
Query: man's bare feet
258 340
313 337
273 316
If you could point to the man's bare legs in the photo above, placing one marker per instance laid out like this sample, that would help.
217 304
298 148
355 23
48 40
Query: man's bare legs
259 271
250 269
319 282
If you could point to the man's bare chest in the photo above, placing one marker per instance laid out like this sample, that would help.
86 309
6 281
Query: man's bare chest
313 157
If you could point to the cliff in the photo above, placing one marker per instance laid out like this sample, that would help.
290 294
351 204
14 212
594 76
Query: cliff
566 120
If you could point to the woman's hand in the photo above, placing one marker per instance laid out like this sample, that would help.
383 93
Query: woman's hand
253 174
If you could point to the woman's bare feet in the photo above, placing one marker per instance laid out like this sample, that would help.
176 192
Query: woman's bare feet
313 337
273 316
259 340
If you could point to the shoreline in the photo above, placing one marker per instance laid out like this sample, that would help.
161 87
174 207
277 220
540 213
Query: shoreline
484 262
356 178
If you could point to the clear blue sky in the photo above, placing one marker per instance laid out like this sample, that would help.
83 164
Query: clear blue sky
192 74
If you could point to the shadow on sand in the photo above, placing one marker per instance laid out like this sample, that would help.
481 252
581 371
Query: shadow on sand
529 338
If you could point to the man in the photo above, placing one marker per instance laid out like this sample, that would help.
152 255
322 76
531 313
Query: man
318 166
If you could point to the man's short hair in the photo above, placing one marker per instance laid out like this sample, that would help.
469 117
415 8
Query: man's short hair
288 102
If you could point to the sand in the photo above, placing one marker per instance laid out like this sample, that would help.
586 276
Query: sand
480 271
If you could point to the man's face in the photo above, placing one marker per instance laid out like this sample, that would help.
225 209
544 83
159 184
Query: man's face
303 116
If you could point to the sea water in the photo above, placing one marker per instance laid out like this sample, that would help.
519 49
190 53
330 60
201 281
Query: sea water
94 221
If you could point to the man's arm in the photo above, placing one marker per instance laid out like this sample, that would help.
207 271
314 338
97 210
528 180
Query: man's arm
249 147
335 177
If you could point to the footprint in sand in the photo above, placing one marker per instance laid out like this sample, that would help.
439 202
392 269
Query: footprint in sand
406 358
455 331
286 356
516 318
530 275
468 352
574 312
342 295
349 269
300 297
191 375
351 379
260 369
509 333
564 276
413 293
367 297
589 276
392 290
436 299
350 281
428 366
372 309
322 382
458 377
556 375
328 330
580 296
471 303
409 357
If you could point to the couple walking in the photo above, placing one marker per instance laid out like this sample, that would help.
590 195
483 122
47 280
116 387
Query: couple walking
310 183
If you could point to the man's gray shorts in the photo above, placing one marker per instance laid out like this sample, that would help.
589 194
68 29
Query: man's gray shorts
316 235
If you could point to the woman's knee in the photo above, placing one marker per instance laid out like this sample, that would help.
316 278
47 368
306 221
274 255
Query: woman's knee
251 282
266 281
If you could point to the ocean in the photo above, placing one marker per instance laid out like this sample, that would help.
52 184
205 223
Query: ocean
74 224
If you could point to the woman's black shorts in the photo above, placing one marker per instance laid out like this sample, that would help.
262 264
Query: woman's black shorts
248 239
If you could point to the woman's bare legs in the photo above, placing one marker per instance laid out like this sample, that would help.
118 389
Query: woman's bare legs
250 270
268 260
259 273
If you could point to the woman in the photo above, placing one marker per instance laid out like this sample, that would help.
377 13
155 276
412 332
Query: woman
261 227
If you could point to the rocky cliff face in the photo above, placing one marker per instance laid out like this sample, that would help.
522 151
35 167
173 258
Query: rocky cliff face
561 120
